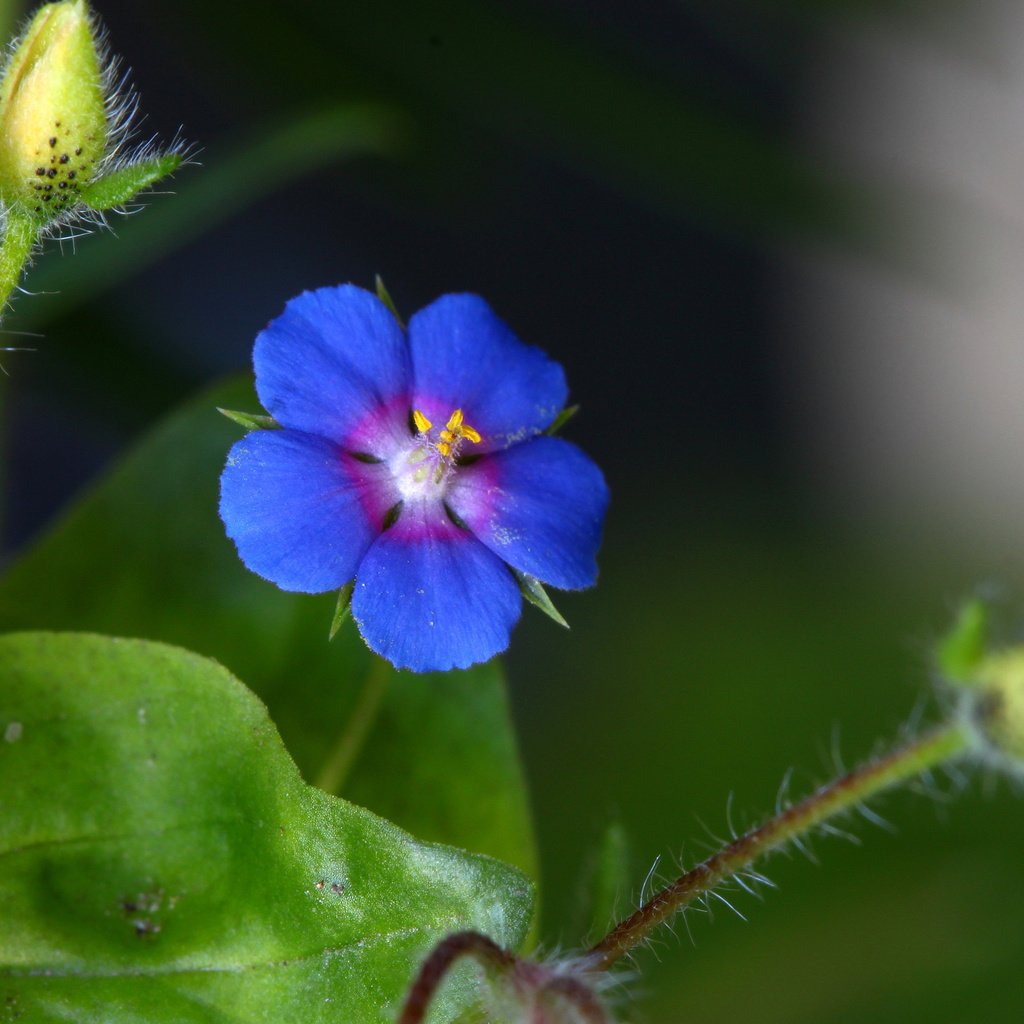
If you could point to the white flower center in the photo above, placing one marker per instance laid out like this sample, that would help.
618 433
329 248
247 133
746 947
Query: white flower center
423 470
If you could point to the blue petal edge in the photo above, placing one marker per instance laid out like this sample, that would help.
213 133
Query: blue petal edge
465 357
300 511
430 597
336 363
540 506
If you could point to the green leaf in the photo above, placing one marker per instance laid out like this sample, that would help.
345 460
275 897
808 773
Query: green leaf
533 590
963 648
124 184
161 860
145 554
250 420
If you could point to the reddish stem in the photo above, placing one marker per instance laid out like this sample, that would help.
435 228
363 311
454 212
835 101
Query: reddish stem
532 981
439 963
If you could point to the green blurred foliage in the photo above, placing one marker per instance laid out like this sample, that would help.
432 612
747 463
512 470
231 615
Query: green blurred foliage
738 622
145 555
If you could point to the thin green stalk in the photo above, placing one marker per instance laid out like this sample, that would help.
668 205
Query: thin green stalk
20 234
336 768
864 782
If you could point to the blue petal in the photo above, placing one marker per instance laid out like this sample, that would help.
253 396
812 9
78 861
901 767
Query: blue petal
540 506
464 357
301 512
335 363
430 597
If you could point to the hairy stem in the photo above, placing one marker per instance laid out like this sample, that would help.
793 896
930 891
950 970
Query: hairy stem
864 782
20 234
444 955
343 754
536 986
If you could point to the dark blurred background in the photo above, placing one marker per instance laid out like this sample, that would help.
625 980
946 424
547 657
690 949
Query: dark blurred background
758 236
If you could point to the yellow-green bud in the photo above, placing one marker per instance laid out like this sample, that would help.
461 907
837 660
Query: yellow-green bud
994 706
53 119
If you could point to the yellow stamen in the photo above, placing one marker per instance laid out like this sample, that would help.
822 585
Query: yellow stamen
451 435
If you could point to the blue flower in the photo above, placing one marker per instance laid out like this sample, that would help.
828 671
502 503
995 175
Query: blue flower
415 464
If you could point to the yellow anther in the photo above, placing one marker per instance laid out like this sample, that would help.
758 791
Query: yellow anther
459 429
421 421
444 448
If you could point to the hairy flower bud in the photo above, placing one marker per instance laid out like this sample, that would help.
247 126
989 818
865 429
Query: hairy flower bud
995 707
989 680
53 117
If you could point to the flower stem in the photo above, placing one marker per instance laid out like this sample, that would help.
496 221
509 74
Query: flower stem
842 794
343 754
20 234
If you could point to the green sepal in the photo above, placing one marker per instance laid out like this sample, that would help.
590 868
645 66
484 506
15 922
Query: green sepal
385 296
250 420
964 647
121 186
343 609
533 590
562 418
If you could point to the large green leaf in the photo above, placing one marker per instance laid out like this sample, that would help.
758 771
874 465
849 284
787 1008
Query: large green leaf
162 860
145 555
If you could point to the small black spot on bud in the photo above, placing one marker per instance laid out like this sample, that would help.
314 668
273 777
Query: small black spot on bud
40 170
39 209
52 173
337 888
53 141
64 158
47 197
63 184
71 175
78 151
38 188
